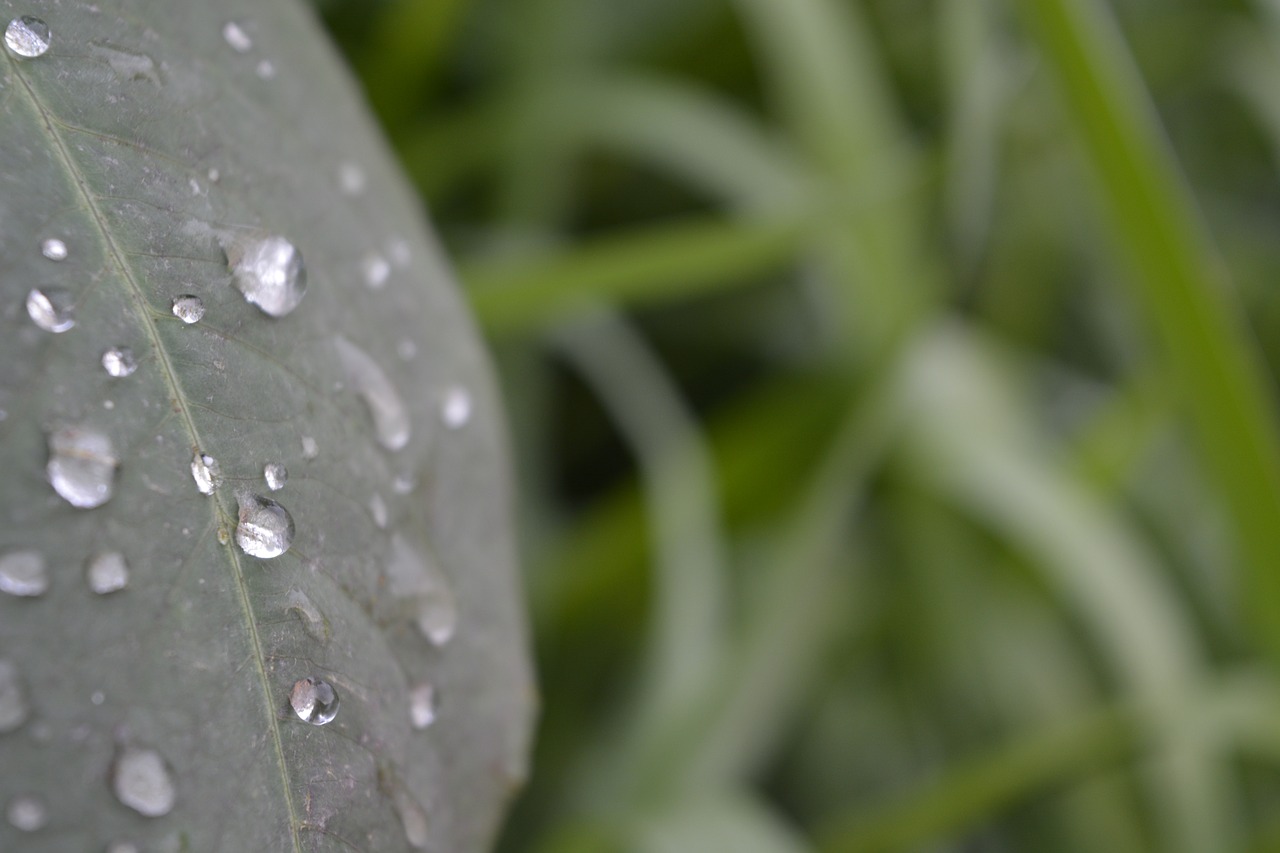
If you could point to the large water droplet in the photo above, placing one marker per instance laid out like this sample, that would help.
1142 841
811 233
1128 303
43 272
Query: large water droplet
22 573
423 703
424 591
27 36
276 475
297 601
107 572
378 510
26 813
269 271
265 529
455 407
412 818
188 308
142 782
119 362
82 466
207 473
236 37
376 271
53 310
390 416
54 249
314 701
13 701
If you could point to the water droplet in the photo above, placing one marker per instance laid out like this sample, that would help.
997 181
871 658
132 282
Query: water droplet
130 66
142 782
27 813
412 818
27 36
424 591
376 271
423 703
188 308
22 573
276 475
107 572
98 697
310 450
54 249
119 362
455 407
214 176
13 701
236 37
207 473
351 178
390 417
52 310
265 529
82 466
378 509
313 620
266 69
269 271
314 701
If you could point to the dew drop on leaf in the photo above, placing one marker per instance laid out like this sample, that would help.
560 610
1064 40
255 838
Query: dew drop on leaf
376 271
310 450
390 416
265 529
207 473
236 37
142 782
13 701
314 701
378 510
26 813
119 362
82 466
188 308
269 271
107 572
266 69
52 310
412 818
455 407
276 475
423 590
27 36
423 702
313 621
54 249
22 573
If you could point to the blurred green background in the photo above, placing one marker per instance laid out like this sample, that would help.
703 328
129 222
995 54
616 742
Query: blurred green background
892 389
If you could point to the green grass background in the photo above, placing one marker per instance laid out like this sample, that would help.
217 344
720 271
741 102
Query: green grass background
892 384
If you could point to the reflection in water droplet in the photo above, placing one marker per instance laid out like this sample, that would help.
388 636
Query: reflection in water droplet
297 601
107 572
423 590
314 701
54 249
53 310
276 475
236 37
119 362
142 782
310 450
422 705
207 473
13 701
27 813
376 271
378 509
22 573
188 308
390 416
351 178
82 466
455 407
265 529
27 36
269 271
412 818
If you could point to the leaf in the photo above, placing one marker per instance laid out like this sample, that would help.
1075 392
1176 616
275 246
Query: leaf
153 150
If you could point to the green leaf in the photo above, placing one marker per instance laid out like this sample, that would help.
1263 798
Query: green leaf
153 149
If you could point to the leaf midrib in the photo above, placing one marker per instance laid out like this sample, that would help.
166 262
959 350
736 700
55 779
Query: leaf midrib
222 513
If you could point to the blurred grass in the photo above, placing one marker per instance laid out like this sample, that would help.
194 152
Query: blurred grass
893 387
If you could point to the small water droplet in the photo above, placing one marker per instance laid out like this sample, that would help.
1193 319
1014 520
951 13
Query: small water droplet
297 601
236 37
207 473
376 271
27 813
13 701
412 818
22 573
424 591
455 407
142 782
266 69
276 475
98 697
27 36
269 271
310 450
188 308
378 509
119 362
54 249
351 178
107 572
82 466
52 310
265 529
390 416
423 704
314 701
